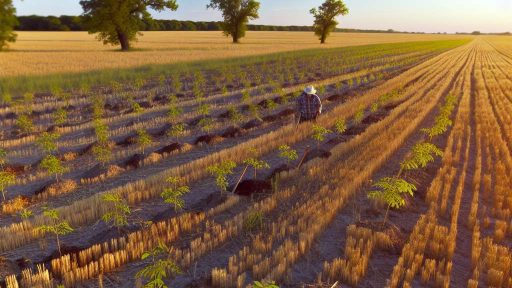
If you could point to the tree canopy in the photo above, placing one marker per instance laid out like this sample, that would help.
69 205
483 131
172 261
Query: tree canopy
237 14
325 17
118 22
7 22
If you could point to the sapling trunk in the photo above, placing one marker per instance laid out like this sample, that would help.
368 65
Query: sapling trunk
385 217
58 243
303 157
3 195
240 179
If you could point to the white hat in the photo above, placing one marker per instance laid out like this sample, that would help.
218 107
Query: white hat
310 90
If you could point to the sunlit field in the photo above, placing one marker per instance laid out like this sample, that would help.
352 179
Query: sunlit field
40 53
199 161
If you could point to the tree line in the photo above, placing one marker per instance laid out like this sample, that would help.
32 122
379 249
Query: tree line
75 23
119 22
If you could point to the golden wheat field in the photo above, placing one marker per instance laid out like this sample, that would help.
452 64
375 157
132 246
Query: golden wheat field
205 172
39 53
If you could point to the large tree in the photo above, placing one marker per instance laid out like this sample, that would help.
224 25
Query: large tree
325 17
237 14
118 21
7 22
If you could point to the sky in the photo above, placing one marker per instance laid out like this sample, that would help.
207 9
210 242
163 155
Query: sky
402 15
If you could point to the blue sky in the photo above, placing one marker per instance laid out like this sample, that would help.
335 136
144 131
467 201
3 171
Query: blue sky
405 15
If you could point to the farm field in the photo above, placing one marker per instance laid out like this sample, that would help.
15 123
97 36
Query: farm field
41 53
265 198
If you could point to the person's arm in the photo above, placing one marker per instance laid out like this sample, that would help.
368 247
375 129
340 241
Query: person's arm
319 104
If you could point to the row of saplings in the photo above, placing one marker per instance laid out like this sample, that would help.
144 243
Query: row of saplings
390 188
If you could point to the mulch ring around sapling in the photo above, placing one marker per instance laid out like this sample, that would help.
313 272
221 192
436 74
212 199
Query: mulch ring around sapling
316 153
208 139
253 186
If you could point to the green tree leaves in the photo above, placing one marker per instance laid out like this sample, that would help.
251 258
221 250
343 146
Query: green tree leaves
6 179
325 17
47 142
174 195
7 22
422 154
158 269
56 226
391 190
118 215
287 153
118 22
237 14
221 171
53 166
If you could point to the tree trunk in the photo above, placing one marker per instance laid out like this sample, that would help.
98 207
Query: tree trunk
235 36
324 36
123 39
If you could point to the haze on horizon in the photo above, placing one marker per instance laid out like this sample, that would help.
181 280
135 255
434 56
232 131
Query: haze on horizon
488 16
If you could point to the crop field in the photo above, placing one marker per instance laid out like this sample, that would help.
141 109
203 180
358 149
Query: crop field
41 53
203 168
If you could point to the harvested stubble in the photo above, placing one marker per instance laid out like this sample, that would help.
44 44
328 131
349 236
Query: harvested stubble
316 212
92 208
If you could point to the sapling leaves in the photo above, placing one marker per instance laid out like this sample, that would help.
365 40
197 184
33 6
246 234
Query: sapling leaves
220 171
6 179
340 126
158 269
287 153
390 190
174 195
119 212
319 133
422 154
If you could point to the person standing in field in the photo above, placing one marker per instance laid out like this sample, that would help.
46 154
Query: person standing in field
309 105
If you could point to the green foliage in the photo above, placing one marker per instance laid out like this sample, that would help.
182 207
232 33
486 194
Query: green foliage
176 130
264 284
254 221
47 142
3 157
390 190
319 133
56 226
325 17
7 22
442 121
158 269
174 111
101 131
422 154
173 195
254 110
119 212
26 214
340 126
206 124
256 163
24 123
287 153
359 116
203 109
6 179
53 166
221 171
60 116
271 104
118 21
233 114
102 153
143 139
137 109
236 14
374 108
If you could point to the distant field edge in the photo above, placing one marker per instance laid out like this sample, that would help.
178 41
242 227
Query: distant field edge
15 86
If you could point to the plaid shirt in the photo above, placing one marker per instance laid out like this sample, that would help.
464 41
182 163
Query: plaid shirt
309 106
